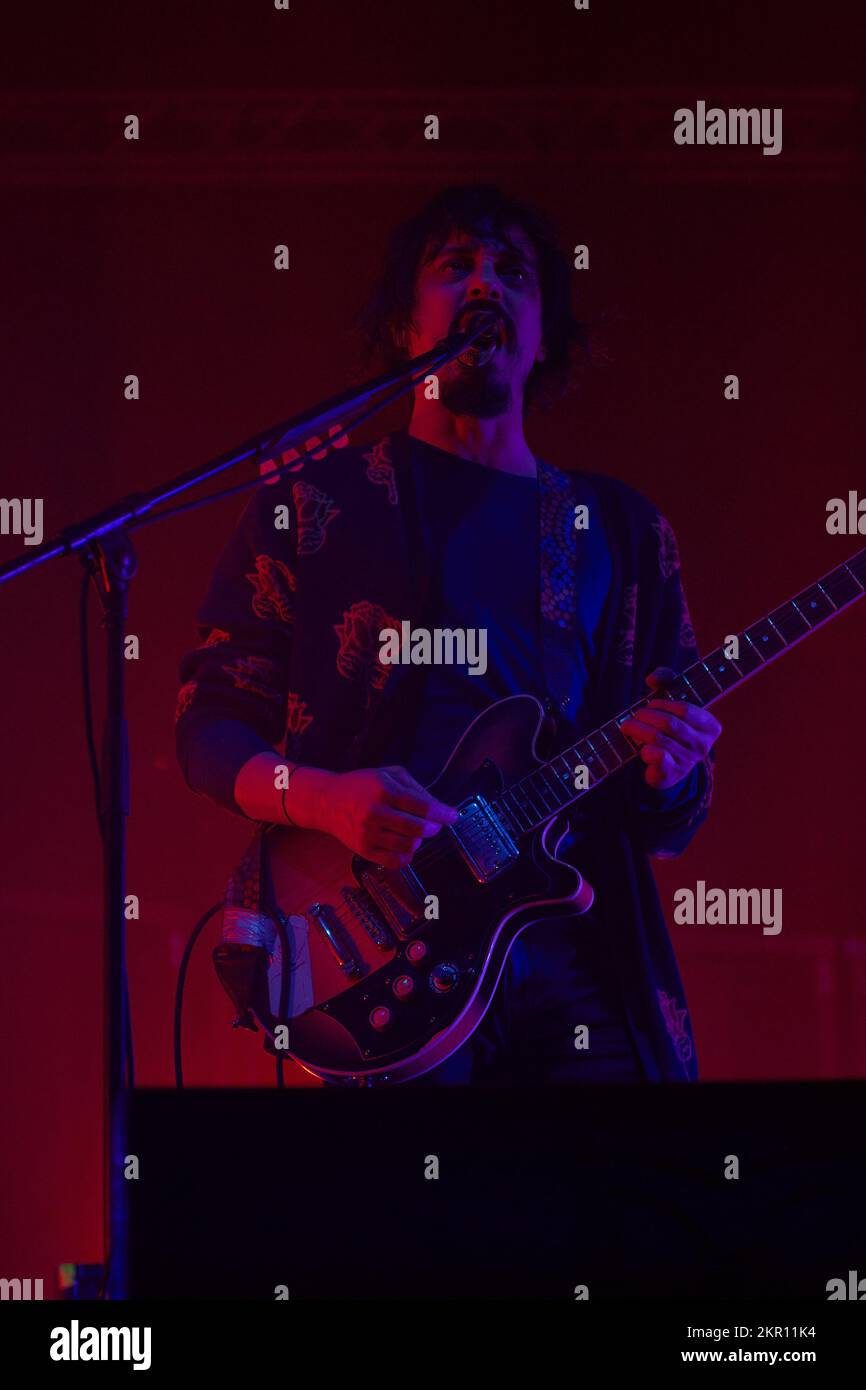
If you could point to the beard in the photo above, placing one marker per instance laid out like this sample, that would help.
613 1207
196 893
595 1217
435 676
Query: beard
475 391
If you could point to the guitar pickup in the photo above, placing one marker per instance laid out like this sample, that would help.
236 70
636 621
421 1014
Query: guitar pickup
324 917
399 896
483 841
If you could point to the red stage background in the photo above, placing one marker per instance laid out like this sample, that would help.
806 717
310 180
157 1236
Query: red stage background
156 258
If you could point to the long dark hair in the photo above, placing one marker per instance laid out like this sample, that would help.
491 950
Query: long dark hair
482 210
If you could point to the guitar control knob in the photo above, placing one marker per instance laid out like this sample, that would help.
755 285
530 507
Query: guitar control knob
380 1018
415 951
403 986
443 977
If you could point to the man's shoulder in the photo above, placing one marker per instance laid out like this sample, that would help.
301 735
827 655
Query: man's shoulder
331 466
613 492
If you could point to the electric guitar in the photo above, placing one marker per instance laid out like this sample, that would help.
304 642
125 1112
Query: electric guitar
374 976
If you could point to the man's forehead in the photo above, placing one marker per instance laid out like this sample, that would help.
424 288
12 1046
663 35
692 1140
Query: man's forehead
472 241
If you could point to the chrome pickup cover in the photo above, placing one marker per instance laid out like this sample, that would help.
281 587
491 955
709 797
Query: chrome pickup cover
399 896
483 841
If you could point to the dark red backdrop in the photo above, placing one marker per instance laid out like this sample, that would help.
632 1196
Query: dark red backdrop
305 127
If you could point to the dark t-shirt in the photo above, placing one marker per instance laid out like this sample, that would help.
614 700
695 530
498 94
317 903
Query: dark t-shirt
481 532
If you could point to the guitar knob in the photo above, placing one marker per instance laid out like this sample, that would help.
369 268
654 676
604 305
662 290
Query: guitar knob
443 977
380 1018
403 986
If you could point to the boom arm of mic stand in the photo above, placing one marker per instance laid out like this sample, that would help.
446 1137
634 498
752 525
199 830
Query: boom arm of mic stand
129 511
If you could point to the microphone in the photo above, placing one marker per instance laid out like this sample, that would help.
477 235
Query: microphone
480 318
478 322
481 330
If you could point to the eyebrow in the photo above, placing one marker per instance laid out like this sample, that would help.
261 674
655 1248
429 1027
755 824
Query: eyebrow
464 247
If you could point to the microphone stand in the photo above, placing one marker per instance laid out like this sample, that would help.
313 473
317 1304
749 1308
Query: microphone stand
105 548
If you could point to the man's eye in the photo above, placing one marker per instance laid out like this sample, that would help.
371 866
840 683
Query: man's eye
515 270
461 261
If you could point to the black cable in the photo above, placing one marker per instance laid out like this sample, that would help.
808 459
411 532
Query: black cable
127 1023
178 997
93 760
284 988
86 692
87 696
103 1285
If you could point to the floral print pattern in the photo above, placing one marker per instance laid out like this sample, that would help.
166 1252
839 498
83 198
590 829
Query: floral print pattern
315 512
297 718
255 673
358 653
625 635
380 469
185 697
274 586
669 555
675 1021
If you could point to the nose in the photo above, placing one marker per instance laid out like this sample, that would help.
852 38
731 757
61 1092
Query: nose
485 286
484 282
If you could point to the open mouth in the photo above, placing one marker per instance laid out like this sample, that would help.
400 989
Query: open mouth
485 346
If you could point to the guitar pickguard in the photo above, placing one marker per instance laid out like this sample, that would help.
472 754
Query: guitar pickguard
391 970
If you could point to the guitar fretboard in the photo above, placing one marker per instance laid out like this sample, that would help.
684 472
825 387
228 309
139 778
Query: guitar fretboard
530 802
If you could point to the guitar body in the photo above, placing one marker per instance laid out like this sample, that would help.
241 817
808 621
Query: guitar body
390 971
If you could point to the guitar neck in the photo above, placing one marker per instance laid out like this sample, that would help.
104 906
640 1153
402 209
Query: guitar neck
530 802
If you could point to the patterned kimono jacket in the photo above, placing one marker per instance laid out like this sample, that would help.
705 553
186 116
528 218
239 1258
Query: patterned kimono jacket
331 553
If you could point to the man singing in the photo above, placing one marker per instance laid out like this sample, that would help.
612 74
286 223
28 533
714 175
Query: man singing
455 523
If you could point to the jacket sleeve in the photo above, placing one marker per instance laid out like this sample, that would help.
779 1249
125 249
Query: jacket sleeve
233 695
664 822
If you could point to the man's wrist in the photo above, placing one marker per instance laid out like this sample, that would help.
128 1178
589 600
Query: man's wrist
261 793
305 797
663 798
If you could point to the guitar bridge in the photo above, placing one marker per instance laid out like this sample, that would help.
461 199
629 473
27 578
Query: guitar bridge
483 841
363 912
